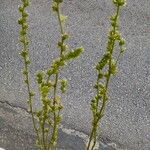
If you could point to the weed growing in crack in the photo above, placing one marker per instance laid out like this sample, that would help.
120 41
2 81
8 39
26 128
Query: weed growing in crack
46 120
106 68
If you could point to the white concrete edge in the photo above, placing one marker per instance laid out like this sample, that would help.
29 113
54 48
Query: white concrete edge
79 134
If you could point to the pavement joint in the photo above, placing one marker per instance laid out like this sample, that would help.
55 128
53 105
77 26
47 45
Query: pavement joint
67 134
14 106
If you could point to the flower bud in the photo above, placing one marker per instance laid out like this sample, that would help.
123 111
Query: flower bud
21 9
121 42
24 53
65 36
24 14
21 21
58 1
55 7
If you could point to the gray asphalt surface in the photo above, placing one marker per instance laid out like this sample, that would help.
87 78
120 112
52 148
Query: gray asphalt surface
127 119
16 132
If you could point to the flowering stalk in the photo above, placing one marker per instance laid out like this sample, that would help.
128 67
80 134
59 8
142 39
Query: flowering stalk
25 55
48 116
106 67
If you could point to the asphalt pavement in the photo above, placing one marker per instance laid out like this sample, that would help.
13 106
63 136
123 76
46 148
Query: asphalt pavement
126 124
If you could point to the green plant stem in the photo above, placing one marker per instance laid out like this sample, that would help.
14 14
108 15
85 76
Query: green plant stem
28 85
118 57
43 135
49 114
90 139
46 138
56 82
94 139
30 97
60 23
97 119
55 117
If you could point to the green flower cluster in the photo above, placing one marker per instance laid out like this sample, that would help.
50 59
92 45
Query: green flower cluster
25 50
119 2
53 106
44 115
106 67
23 36
25 55
47 118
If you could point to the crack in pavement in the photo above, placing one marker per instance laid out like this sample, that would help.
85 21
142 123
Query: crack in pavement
14 106
68 137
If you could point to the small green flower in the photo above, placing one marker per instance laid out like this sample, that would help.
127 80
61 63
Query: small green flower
40 76
25 72
21 9
103 61
25 26
27 61
119 2
55 7
63 18
31 94
24 15
58 1
100 75
106 67
23 32
24 53
65 36
63 85
21 21
75 53
122 42
26 3
44 90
